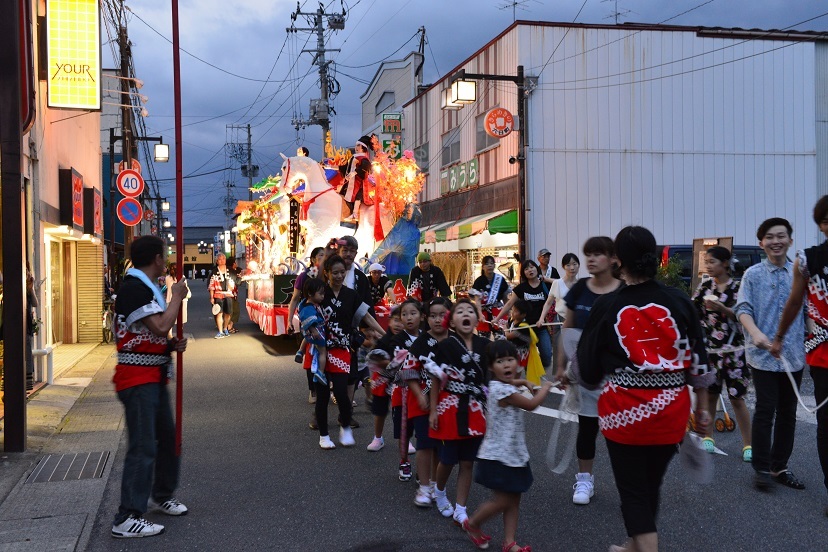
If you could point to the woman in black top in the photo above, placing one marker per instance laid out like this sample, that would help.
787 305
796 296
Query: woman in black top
532 290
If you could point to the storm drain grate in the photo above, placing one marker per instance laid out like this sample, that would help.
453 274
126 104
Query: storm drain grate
69 467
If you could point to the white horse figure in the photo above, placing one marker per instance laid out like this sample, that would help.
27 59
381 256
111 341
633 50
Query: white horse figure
325 209
324 205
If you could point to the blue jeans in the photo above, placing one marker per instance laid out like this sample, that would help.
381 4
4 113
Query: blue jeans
150 466
544 346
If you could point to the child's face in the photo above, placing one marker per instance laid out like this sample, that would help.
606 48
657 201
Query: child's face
412 318
318 296
395 325
516 314
504 369
436 315
371 337
464 319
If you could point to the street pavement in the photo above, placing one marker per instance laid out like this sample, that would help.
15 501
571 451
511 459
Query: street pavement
255 478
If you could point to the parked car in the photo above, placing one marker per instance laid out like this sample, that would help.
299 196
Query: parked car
743 257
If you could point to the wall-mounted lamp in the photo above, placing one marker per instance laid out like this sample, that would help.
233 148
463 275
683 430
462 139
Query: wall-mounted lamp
463 92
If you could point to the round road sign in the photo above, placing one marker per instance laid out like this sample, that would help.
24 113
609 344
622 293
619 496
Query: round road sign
130 183
129 211
135 165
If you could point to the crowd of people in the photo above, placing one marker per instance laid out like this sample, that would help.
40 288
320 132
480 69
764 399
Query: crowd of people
455 374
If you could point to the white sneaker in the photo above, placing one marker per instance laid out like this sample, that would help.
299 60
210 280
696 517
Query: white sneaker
376 444
584 488
444 505
423 497
133 527
411 449
346 437
171 507
460 516
326 443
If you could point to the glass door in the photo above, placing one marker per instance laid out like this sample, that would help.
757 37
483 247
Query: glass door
56 290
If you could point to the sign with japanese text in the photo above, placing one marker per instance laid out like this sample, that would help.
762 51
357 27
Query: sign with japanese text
460 177
498 123
74 55
392 123
392 148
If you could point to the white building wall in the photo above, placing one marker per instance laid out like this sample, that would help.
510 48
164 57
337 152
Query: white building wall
686 135
821 72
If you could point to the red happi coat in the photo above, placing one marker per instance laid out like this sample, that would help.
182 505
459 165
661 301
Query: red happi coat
461 404
813 265
648 340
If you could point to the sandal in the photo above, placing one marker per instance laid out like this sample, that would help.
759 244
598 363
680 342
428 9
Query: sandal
511 547
233 330
747 454
709 444
479 539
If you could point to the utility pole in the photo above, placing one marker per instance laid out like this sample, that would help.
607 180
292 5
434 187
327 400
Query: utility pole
320 109
126 118
249 166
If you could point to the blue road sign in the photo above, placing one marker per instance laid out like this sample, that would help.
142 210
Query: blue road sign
129 211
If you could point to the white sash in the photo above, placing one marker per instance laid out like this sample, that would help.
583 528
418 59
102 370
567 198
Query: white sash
494 291
156 291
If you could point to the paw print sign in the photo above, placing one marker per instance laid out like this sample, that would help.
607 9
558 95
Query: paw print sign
649 336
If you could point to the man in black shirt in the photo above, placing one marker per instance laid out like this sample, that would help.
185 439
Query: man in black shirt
427 281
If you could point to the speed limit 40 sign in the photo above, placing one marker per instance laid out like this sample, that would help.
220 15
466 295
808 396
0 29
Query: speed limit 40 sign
130 183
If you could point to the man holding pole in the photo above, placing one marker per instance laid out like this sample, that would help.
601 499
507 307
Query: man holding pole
142 321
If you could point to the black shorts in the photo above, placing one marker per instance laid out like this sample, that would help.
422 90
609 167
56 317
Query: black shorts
459 450
500 477
380 404
226 304
424 440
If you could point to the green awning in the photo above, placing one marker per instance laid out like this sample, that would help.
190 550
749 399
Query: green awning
507 223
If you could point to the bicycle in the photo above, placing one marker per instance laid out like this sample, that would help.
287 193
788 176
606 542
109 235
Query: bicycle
106 319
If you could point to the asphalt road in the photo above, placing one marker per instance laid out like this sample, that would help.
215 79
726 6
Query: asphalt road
254 477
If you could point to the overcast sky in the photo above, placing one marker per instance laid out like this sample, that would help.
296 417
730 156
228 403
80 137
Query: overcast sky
249 38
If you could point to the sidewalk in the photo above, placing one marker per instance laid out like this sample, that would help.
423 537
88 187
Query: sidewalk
48 502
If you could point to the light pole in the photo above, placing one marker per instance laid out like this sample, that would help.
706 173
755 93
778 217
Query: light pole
464 90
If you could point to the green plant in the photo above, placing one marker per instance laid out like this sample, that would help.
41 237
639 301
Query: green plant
669 274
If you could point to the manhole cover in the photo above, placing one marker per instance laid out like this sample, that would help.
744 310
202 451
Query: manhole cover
69 467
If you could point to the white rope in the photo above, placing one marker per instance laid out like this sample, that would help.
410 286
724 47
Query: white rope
788 370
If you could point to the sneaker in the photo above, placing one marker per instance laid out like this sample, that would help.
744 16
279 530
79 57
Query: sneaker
460 516
326 443
171 507
299 357
226 333
423 497
405 471
443 505
747 454
219 335
346 437
133 527
411 449
584 488
376 444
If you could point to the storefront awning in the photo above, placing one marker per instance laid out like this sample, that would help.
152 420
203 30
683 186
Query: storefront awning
466 227
507 223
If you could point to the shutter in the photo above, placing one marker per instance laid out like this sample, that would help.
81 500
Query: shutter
90 291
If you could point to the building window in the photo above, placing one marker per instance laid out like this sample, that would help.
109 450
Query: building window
422 158
483 140
385 103
451 147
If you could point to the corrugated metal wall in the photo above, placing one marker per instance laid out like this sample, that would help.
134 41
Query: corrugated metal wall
821 72
89 291
688 136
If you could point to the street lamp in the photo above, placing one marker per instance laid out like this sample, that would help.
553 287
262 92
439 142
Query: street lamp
167 223
463 91
165 205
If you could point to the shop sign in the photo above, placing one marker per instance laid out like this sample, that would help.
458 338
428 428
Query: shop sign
392 148
74 56
460 177
499 123
392 123
293 227
93 212
70 183
134 164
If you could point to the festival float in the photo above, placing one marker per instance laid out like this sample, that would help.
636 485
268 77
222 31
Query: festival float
301 208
